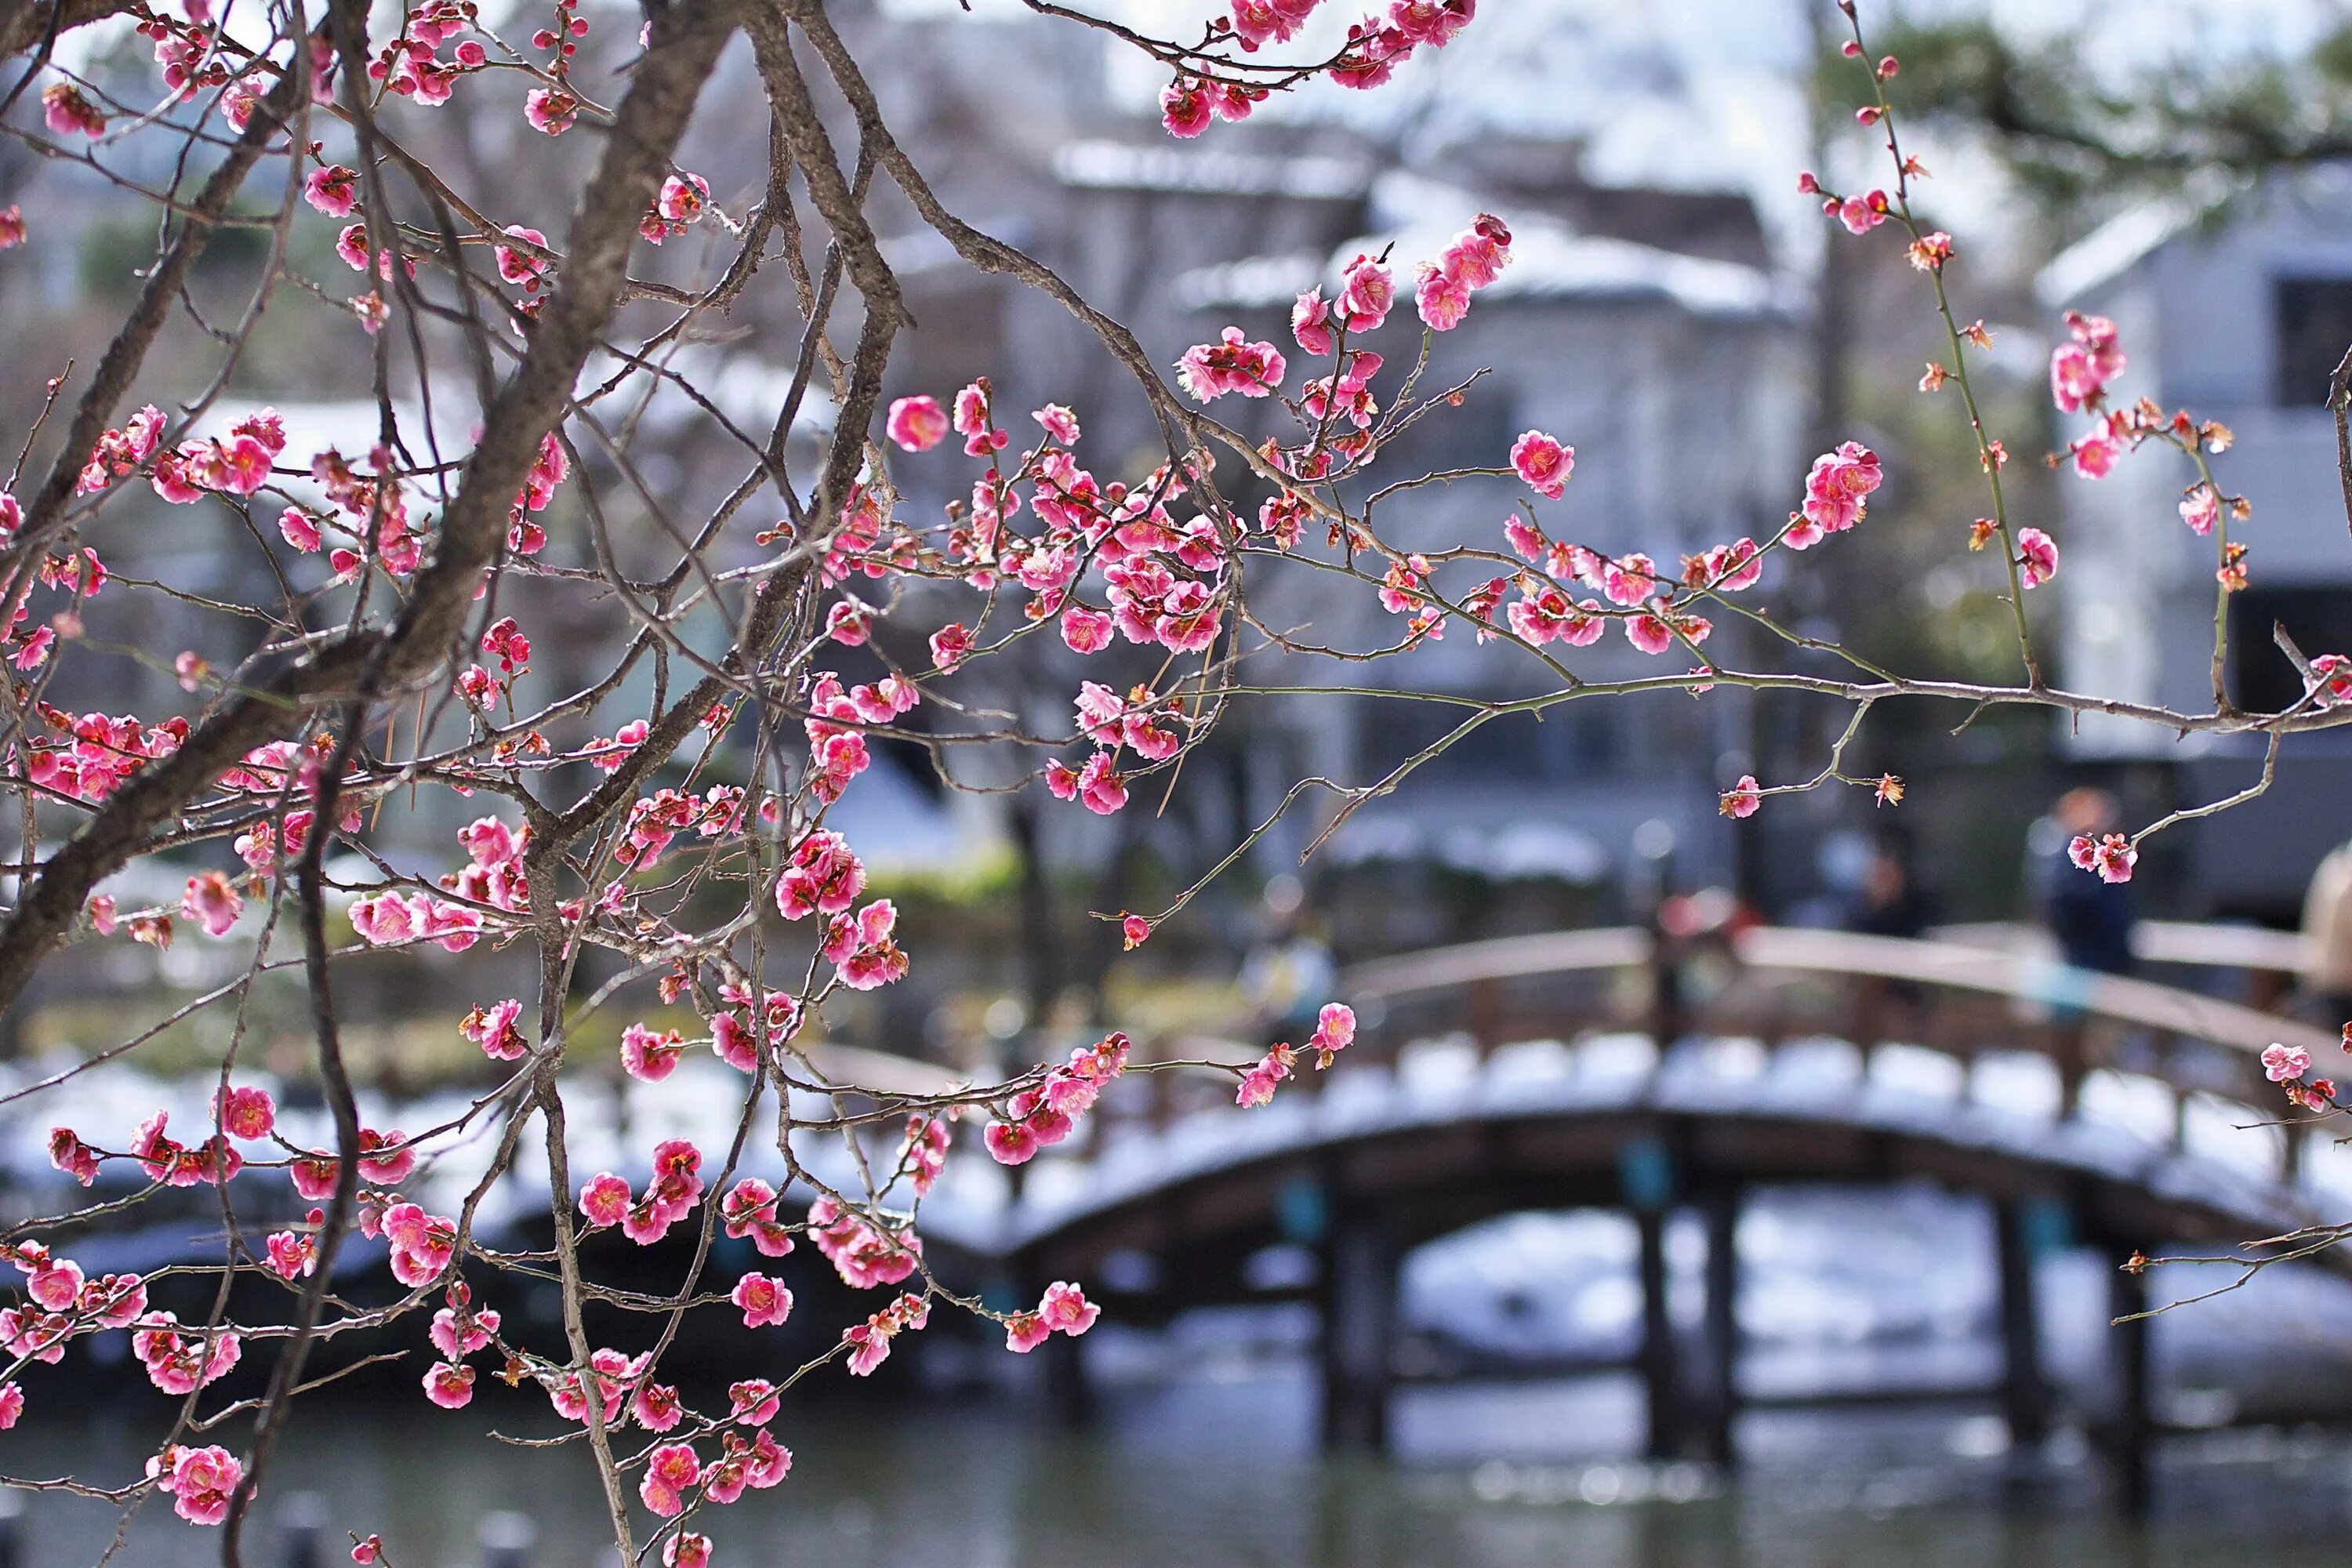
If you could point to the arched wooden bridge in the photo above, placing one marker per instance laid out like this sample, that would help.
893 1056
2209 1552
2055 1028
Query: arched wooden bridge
1625 1070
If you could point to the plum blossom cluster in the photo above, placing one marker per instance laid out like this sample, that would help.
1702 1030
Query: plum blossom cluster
199 1480
869 1343
1226 88
2080 371
1474 259
1063 1309
864 1253
459 1329
62 1304
673 1470
1837 495
675 1187
1335 1030
2289 1066
676 879
1209 371
684 199
1041 1117
2110 857
1148 726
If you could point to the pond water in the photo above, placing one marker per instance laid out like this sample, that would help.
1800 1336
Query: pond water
1202 1449
1219 1469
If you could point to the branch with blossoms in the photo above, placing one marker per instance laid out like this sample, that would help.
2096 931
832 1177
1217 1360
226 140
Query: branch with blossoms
401 750
2314 1104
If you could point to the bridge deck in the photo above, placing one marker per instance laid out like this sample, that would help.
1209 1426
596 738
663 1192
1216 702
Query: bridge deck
1999 1113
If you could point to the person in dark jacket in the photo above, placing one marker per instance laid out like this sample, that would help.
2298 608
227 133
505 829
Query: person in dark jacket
1890 902
2091 918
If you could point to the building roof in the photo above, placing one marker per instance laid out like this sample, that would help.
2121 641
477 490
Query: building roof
1104 164
1548 262
1528 176
2124 241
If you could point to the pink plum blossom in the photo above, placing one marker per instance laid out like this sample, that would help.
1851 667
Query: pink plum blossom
2111 858
2282 1062
450 1387
764 1300
212 902
918 424
1209 371
2037 556
201 1481
1543 463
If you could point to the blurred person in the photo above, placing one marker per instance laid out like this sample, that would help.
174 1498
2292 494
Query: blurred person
1885 900
1888 900
2327 931
2091 918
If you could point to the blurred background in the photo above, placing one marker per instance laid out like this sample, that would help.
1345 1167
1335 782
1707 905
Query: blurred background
1696 328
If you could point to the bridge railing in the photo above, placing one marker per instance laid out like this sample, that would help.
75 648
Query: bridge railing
1773 984
1990 992
2254 951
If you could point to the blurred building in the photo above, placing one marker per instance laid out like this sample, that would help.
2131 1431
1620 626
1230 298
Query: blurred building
2240 313
1643 327
1648 327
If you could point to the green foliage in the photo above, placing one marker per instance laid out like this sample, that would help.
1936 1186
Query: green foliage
973 878
2079 137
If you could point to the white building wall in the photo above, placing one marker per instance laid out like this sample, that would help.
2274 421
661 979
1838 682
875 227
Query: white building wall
2197 313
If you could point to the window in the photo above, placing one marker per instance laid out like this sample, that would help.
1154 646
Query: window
2262 679
2311 324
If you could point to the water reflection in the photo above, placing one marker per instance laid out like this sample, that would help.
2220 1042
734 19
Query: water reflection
1203 1450
1220 1471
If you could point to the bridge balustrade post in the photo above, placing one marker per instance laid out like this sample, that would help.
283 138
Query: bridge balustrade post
1647 1176
2025 1396
1359 1340
1661 1397
1668 1020
507 1538
1867 1013
2135 1427
2176 1054
1483 1007
2070 1044
1069 1395
303 1524
1722 1324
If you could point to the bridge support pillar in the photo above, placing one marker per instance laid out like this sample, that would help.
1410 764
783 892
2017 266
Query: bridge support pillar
2070 1048
2135 1427
1661 1395
1068 1394
1360 1306
1722 1209
2025 1396
1060 1363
